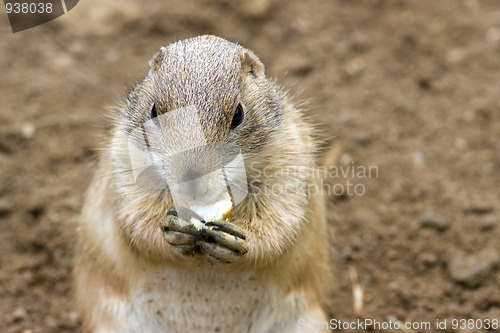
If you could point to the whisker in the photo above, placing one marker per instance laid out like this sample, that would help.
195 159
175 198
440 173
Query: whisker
115 173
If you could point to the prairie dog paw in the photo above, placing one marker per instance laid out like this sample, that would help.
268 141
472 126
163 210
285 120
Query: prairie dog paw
179 233
223 242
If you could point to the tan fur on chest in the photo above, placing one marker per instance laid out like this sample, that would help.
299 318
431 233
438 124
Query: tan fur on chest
210 302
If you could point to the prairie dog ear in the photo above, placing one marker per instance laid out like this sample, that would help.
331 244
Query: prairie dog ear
251 63
157 59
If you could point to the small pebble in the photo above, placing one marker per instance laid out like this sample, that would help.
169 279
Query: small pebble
346 159
6 207
256 9
428 259
364 216
19 314
355 66
480 207
346 253
363 139
394 285
357 243
27 130
461 144
435 222
417 158
456 55
488 223
50 322
392 254
359 43
469 269
388 233
73 317
493 35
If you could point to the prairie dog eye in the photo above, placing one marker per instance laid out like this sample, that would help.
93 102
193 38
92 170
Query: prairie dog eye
154 114
237 117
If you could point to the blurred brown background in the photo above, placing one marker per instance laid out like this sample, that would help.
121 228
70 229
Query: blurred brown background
408 86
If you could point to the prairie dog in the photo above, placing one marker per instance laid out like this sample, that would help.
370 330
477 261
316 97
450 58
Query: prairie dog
140 264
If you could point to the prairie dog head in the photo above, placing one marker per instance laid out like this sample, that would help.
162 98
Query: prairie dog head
204 102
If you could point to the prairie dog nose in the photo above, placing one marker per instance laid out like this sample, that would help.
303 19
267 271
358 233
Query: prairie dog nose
193 185
198 187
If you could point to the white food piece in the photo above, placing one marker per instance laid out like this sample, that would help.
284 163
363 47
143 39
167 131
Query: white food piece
197 224
215 212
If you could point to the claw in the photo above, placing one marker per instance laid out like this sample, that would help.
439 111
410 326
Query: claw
218 254
229 228
229 241
172 212
179 238
179 234
172 223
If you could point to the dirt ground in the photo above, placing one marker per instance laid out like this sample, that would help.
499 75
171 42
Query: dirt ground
407 87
